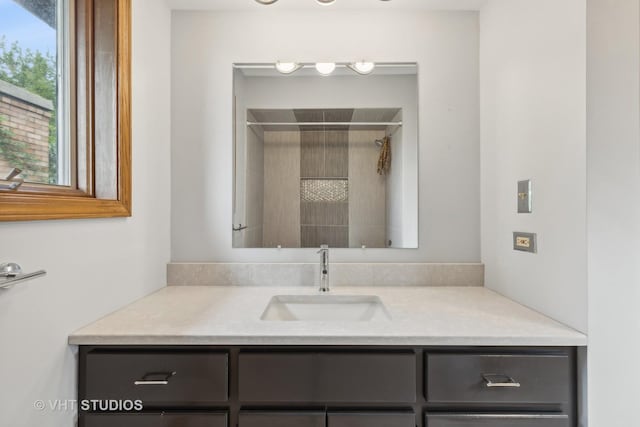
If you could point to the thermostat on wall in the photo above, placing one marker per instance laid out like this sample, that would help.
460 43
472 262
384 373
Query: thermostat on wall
525 242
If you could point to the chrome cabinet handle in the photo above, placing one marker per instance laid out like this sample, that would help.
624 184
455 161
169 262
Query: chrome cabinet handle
164 378
497 380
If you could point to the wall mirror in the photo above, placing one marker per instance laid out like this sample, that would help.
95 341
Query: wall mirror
325 154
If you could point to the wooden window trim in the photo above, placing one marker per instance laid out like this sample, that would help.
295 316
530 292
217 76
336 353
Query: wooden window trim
40 202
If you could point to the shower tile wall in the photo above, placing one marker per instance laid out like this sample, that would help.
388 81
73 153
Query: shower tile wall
281 189
322 157
324 154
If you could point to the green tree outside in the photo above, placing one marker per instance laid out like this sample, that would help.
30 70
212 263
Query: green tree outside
35 72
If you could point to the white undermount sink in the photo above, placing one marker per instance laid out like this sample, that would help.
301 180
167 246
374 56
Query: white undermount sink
326 308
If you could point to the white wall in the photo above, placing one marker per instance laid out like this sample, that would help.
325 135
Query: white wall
613 210
532 91
395 187
255 188
240 159
94 266
248 199
374 91
445 45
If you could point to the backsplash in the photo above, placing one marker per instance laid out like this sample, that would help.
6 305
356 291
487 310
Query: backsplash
341 274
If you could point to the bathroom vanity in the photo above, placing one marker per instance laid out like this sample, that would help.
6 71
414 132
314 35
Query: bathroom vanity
446 357
302 386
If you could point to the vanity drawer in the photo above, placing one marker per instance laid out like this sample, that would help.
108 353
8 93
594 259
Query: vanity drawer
497 420
157 377
498 378
154 420
282 419
324 377
371 419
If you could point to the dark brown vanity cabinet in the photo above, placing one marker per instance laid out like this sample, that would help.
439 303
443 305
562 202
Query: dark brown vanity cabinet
326 377
498 420
326 419
371 419
158 419
500 388
158 378
174 387
498 378
259 386
277 418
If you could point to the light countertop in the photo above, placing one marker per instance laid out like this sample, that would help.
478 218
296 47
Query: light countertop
230 315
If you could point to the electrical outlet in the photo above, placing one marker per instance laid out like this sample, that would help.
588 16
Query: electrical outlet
525 242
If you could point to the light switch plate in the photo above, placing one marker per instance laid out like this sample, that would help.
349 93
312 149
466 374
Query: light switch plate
524 196
525 242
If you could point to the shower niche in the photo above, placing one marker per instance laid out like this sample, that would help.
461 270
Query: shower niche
324 175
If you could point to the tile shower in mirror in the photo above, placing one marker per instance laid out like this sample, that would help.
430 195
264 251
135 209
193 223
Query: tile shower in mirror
325 160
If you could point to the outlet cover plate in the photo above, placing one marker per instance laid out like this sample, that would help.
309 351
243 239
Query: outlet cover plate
525 242
524 196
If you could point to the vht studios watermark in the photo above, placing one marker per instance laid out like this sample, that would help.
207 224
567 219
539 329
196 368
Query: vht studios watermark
110 405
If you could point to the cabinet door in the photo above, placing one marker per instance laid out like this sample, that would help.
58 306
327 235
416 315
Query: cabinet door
498 378
158 378
154 420
371 419
497 420
282 419
326 377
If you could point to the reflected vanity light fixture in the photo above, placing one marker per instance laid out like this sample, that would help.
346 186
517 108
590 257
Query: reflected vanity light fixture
362 67
325 68
287 67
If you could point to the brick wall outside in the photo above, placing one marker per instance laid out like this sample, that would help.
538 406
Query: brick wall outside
29 123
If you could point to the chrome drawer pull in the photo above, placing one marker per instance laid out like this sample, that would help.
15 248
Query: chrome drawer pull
147 379
497 380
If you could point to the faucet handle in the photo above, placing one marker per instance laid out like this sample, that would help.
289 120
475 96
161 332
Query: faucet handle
13 173
12 182
323 248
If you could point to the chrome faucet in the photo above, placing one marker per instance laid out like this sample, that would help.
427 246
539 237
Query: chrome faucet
324 268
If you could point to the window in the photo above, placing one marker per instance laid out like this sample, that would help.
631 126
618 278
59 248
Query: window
33 91
64 109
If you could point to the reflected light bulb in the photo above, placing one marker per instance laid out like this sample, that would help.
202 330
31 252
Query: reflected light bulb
363 67
287 67
326 68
